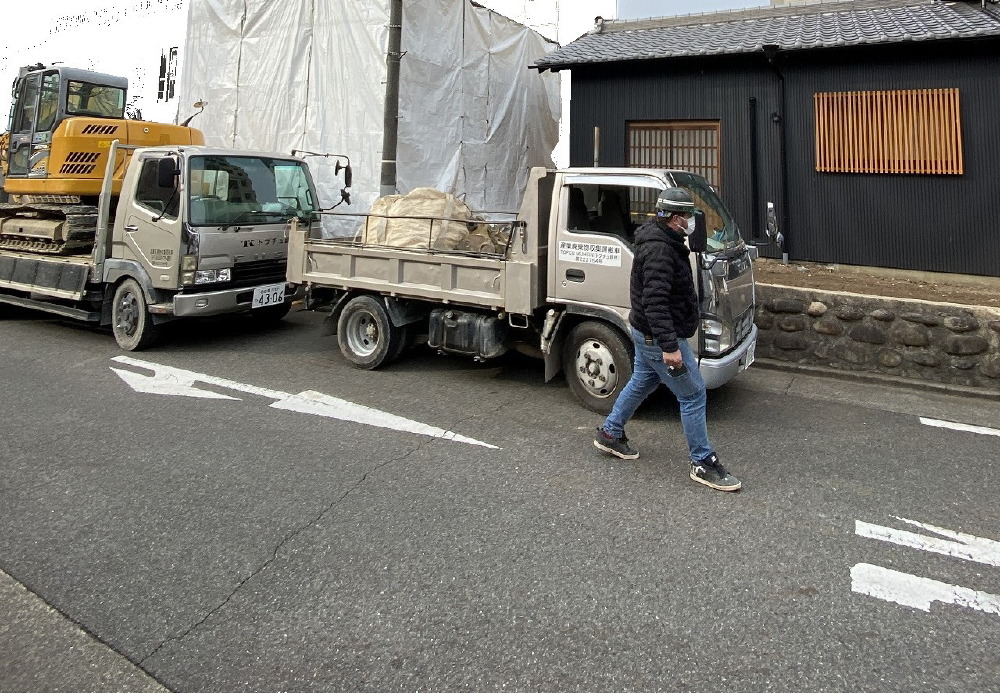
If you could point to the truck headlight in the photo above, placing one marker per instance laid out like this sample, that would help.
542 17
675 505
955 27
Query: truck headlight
718 336
189 263
213 276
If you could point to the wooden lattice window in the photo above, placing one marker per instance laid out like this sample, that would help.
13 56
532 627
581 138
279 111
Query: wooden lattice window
914 131
685 144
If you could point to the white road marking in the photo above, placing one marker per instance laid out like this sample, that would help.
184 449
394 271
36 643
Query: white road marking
312 402
917 592
938 423
166 384
964 546
167 380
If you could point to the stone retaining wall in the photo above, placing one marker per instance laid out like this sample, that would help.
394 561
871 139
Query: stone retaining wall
920 340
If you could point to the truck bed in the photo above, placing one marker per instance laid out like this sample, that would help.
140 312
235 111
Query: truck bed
442 276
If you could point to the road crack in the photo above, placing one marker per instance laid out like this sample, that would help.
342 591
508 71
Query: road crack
277 550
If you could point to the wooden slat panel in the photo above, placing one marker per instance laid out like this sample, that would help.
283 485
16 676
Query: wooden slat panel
690 145
915 131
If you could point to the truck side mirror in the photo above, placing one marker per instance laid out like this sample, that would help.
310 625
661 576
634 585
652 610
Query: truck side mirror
348 174
167 170
698 241
345 193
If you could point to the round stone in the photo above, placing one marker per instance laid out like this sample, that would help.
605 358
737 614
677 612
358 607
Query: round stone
786 305
828 327
869 334
924 358
889 358
922 318
964 345
910 334
961 323
816 309
849 313
792 323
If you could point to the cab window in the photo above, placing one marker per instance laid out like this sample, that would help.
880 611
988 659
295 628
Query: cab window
83 98
160 201
48 102
602 209
24 118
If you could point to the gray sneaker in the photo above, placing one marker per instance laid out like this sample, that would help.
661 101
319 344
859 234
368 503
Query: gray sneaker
618 447
711 473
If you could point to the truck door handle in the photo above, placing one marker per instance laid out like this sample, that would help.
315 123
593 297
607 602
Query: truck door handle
131 228
575 275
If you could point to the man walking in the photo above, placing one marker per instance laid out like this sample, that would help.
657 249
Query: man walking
664 314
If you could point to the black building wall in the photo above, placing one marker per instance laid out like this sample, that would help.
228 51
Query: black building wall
610 96
943 223
920 222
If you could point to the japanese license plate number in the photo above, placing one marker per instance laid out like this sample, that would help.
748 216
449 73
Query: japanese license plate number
747 358
269 295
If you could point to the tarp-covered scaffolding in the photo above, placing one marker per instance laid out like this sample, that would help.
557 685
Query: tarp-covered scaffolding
311 75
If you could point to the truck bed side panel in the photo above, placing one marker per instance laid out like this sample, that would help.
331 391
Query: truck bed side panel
458 279
57 277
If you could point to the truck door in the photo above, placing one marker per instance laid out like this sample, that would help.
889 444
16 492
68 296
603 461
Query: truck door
151 230
592 259
35 109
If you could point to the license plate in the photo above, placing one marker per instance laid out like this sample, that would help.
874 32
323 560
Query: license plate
269 295
748 357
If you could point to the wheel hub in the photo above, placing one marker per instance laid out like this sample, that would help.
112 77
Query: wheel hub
596 369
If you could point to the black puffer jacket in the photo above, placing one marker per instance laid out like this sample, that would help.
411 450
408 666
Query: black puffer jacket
664 302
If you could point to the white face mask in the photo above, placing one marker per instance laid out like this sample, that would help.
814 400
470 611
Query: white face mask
689 229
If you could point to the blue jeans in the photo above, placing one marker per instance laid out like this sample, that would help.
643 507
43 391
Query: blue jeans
648 373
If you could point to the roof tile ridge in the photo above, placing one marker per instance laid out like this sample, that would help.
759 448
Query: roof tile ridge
809 7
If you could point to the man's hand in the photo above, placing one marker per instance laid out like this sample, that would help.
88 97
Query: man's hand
673 359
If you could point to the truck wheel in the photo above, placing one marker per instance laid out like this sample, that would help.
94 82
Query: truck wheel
366 335
598 362
130 319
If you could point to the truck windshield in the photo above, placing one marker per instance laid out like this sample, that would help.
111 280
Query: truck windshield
723 233
86 99
225 190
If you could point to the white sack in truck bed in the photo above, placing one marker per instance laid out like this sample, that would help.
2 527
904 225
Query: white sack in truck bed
454 226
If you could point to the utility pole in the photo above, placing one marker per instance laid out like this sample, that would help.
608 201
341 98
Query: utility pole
390 131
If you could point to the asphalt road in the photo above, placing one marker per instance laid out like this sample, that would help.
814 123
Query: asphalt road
254 542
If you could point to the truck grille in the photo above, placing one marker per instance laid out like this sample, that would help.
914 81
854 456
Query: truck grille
259 272
743 325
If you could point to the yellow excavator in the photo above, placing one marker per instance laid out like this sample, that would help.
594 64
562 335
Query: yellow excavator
54 155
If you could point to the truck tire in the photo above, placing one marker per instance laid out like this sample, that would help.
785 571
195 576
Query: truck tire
130 319
597 360
366 335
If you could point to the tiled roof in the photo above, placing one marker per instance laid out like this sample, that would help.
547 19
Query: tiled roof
821 24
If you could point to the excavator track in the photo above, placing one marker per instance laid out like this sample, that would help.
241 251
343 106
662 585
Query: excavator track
51 229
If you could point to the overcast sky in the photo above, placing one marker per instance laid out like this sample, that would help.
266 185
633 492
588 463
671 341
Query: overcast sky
638 9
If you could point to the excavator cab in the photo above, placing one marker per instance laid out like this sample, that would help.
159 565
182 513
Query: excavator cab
56 153
43 98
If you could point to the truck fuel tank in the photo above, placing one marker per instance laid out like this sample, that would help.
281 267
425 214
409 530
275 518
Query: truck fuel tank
472 334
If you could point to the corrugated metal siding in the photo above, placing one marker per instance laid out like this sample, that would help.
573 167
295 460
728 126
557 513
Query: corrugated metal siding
921 222
940 223
611 96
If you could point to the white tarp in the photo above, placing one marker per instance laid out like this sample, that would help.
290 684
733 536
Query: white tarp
310 75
